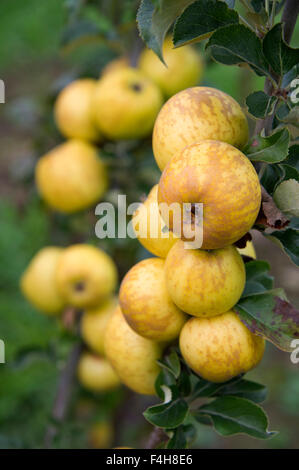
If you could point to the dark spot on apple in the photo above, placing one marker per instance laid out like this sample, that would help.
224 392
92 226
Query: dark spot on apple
79 286
136 87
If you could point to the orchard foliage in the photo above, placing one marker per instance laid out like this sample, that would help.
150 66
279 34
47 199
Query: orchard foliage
257 39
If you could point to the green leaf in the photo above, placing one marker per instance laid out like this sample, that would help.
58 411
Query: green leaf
165 379
269 315
279 55
288 240
245 389
172 363
154 21
178 439
270 149
257 277
271 177
201 19
286 197
259 104
237 44
167 415
234 415
293 157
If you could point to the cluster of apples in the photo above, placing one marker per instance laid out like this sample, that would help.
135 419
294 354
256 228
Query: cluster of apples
123 104
84 277
185 294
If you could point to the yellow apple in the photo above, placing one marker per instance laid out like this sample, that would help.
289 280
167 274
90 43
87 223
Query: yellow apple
150 228
86 276
38 282
100 435
94 323
221 347
146 304
126 104
248 250
96 374
114 65
196 114
71 177
132 356
183 67
221 178
73 110
204 283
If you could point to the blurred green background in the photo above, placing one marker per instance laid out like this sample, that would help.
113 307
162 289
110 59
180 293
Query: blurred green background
43 46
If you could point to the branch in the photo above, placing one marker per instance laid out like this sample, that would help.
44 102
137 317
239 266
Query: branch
156 437
63 395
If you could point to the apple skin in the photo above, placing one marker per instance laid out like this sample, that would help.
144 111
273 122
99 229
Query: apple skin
221 347
146 304
73 110
96 374
204 283
147 216
132 356
93 325
85 276
248 250
71 177
126 104
224 180
195 114
183 67
38 282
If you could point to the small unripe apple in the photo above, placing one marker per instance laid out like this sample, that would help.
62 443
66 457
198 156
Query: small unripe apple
95 373
146 303
204 283
220 177
150 228
183 67
248 250
126 104
86 276
93 325
132 356
38 282
196 114
114 65
71 177
73 110
221 347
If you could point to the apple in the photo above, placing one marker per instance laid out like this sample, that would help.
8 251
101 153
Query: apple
221 347
150 228
195 114
85 276
93 325
71 177
204 283
126 104
73 110
133 357
146 304
96 374
220 177
38 282
182 69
